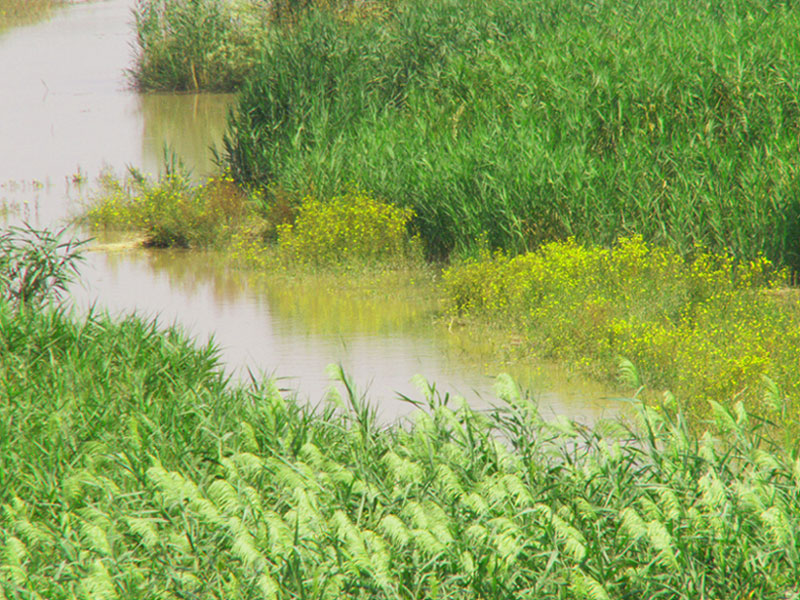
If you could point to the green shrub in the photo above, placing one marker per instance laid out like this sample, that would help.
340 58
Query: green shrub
172 211
36 265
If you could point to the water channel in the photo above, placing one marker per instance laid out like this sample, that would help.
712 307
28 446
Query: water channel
67 113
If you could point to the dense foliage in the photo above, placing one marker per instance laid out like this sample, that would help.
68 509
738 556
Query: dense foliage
130 468
172 211
521 121
196 44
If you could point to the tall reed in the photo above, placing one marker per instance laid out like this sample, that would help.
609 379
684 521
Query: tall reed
130 468
517 122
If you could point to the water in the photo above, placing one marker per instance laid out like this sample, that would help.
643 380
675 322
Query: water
69 113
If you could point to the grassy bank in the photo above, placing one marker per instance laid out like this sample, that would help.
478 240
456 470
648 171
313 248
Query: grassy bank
129 468
518 123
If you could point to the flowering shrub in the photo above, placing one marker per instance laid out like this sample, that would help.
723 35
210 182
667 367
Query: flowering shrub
705 327
172 211
352 226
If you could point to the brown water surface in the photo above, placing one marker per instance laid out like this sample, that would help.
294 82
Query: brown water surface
67 113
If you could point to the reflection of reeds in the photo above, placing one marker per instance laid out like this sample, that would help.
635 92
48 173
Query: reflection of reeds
129 463
189 124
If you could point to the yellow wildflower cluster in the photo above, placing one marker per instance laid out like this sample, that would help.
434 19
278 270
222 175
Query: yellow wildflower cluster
351 226
705 327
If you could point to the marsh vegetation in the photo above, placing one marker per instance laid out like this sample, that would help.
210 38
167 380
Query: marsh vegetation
614 183
130 467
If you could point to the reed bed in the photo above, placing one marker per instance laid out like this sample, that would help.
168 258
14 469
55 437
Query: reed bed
131 468
513 123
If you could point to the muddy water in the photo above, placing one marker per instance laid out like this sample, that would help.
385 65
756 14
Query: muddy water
67 113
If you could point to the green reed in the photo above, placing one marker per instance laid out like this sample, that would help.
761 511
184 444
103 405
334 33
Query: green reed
195 44
130 467
517 122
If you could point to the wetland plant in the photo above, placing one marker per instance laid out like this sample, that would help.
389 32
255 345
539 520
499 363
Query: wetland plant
131 468
522 121
36 265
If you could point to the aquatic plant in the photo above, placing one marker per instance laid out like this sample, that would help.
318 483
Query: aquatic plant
705 326
196 44
520 122
36 266
351 227
172 210
131 468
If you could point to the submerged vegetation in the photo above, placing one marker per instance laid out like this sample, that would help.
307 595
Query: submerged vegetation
131 468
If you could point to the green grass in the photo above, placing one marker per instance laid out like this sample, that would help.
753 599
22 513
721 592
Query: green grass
196 44
130 468
518 122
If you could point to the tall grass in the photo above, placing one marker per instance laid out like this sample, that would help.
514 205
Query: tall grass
130 468
196 44
517 122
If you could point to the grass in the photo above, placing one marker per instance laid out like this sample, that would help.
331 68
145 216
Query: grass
130 468
23 12
354 228
214 45
196 44
521 122
705 327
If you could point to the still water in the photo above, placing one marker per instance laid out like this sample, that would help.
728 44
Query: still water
67 113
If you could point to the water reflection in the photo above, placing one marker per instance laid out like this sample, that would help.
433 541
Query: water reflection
68 113
186 124
295 327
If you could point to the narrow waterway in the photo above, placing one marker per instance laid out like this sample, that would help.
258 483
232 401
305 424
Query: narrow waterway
67 114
